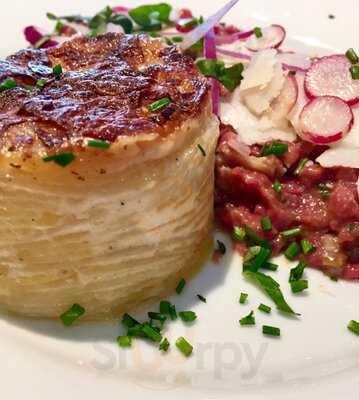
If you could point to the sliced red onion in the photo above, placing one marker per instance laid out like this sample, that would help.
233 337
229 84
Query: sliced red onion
34 35
229 39
325 120
330 76
234 54
273 37
210 53
198 33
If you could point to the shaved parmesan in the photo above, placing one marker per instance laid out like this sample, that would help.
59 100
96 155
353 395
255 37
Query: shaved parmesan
340 157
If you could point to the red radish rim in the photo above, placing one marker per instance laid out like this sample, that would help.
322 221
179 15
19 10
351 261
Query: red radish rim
311 96
277 45
333 138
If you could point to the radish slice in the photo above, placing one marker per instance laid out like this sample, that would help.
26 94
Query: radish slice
273 37
294 61
330 76
325 120
302 100
286 100
198 33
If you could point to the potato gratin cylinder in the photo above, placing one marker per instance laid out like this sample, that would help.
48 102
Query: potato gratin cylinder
106 175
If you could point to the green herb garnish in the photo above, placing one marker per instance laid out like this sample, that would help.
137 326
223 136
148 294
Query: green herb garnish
238 234
243 298
270 330
40 83
124 341
248 320
277 149
151 333
291 233
187 316
302 163
266 309
306 246
180 286
159 104
270 266
229 77
277 187
164 345
352 56
353 326
253 238
266 224
62 159
184 347
129 321
299 286
258 32
156 316
72 314
297 273
8 84
151 16
354 71
57 70
292 251
272 288
99 144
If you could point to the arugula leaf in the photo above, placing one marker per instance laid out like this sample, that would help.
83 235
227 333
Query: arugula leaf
272 288
229 77
151 16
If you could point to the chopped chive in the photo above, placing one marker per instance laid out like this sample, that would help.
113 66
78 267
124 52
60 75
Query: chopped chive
159 104
238 234
202 150
177 39
266 224
128 321
184 347
248 319
352 56
297 272
277 186
299 286
301 166
291 233
100 144
164 345
292 251
72 314
270 330
124 341
187 316
354 71
334 278
243 298
180 286
57 70
156 316
40 83
264 308
256 258
353 326
8 84
165 307
258 32
203 299
221 247
62 159
136 331
307 247
270 266
173 312
151 332
277 149
254 238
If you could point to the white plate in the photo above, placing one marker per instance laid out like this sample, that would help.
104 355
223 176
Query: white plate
316 356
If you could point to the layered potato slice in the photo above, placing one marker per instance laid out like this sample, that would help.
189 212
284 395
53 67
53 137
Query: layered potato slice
116 228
